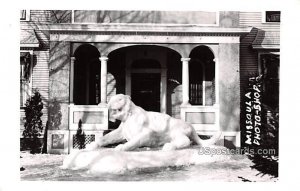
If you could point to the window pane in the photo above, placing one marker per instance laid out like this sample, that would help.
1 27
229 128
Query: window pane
272 16
270 71
23 14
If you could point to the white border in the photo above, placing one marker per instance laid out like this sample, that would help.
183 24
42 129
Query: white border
290 95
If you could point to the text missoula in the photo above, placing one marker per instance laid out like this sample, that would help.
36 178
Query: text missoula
253 111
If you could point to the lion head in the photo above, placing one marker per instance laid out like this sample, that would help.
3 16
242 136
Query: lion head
119 107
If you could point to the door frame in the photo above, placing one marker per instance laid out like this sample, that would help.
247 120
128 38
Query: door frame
163 83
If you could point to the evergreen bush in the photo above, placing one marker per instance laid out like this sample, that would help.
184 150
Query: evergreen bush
33 122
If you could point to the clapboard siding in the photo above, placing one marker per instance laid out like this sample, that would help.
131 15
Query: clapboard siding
249 56
40 72
44 39
40 15
40 79
254 19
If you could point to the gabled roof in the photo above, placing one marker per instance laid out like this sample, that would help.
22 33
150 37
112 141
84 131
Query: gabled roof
267 40
29 39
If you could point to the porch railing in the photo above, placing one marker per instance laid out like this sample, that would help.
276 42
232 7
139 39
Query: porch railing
205 119
93 117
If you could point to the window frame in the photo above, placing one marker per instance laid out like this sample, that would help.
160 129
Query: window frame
260 72
202 65
27 15
28 87
264 17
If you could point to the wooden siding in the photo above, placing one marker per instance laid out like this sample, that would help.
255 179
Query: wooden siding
40 72
248 55
41 16
40 79
254 19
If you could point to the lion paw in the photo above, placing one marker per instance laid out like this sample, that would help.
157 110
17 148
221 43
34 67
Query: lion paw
168 147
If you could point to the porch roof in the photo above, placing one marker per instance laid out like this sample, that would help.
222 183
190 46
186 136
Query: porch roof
146 28
267 40
29 39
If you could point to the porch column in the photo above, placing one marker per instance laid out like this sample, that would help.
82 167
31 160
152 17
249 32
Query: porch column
185 81
103 78
163 90
72 80
217 80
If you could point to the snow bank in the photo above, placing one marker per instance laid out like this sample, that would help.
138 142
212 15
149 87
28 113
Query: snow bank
118 162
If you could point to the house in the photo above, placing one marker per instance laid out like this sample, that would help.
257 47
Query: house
192 65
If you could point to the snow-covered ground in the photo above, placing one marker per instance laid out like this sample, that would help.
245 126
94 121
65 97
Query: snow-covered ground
237 168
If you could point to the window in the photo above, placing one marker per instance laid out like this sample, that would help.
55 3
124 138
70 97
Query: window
272 16
202 77
25 74
202 83
269 68
24 15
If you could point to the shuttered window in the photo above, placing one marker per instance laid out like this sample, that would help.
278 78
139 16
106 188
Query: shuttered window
25 74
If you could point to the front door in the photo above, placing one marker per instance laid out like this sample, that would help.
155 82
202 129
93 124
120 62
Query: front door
145 90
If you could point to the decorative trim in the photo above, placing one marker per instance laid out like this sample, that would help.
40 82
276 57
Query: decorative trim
97 134
30 46
202 109
266 46
142 29
61 148
133 39
88 108
148 33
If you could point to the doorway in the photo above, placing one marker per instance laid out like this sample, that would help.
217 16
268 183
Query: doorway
145 90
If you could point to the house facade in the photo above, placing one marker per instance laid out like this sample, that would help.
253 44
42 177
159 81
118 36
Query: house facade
192 65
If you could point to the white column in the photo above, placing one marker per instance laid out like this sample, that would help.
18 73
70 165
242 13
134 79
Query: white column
128 81
217 80
103 78
72 80
163 91
185 81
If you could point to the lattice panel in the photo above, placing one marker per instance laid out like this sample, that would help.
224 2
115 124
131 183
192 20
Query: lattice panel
79 142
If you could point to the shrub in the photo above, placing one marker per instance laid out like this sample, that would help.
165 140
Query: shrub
33 122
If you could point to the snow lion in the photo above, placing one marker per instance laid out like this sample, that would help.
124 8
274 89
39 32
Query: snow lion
141 128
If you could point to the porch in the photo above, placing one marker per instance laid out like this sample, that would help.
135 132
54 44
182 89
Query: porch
180 79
